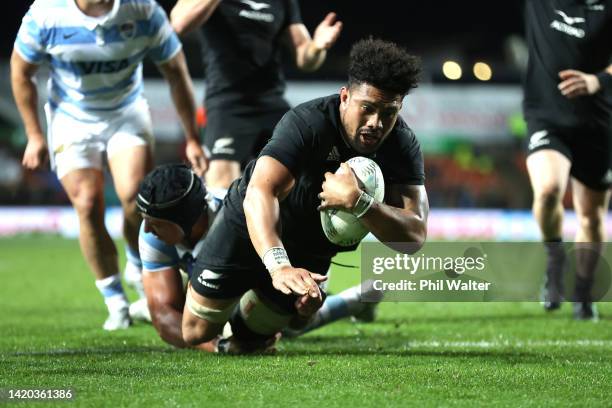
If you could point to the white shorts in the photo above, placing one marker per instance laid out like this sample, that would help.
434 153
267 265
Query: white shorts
74 144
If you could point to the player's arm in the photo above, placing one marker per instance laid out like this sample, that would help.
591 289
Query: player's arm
187 15
310 52
181 88
26 98
403 218
270 183
576 83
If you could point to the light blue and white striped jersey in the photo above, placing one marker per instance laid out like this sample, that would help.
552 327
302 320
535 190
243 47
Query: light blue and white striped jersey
95 62
156 255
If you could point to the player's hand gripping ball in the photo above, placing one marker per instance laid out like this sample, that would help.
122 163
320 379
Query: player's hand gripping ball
342 227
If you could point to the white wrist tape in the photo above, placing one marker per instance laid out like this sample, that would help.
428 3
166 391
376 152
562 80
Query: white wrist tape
274 258
363 204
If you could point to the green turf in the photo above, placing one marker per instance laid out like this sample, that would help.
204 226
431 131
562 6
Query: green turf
428 354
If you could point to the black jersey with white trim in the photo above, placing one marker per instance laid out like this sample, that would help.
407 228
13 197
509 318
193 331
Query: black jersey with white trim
241 50
566 34
309 141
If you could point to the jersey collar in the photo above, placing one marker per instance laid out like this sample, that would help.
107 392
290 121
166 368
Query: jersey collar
92 22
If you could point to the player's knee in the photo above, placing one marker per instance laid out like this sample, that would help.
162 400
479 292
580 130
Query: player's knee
548 196
202 323
257 318
87 204
591 224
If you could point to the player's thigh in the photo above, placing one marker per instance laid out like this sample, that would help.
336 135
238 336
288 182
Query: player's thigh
129 149
128 167
222 171
163 289
548 171
204 317
74 145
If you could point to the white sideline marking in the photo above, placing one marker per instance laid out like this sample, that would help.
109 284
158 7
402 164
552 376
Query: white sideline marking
484 344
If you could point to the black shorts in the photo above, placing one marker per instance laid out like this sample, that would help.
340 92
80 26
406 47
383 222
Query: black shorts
588 148
228 266
239 136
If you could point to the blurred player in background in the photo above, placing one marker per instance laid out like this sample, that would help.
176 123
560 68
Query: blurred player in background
177 212
96 111
266 249
567 106
242 47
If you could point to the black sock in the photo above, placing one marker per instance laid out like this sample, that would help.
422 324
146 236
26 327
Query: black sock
555 265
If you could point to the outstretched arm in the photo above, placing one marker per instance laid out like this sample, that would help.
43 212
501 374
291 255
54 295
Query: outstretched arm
181 88
269 185
309 52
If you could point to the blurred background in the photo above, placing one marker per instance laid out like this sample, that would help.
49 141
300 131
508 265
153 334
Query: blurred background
466 113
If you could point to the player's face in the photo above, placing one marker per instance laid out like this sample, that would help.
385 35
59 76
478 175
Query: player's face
368 114
167 231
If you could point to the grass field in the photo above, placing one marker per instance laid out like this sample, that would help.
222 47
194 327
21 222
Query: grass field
415 354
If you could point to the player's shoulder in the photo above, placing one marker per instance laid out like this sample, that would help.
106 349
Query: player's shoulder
144 8
403 134
47 12
319 112
155 251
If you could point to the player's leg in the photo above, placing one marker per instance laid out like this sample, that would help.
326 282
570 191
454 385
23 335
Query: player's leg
85 188
165 296
549 172
220 175
204 318
77 160
130 158
358 302
591 206
128 166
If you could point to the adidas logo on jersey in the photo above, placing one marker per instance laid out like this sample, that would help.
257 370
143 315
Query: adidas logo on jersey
538 139
334 154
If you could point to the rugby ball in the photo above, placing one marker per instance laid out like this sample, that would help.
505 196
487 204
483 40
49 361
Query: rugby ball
343 228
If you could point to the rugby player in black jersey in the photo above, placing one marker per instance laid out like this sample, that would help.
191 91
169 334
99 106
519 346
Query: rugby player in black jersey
567 106
241 48
267 244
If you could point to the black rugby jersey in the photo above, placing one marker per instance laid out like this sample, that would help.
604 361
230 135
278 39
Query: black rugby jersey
566 34
241 50
309 142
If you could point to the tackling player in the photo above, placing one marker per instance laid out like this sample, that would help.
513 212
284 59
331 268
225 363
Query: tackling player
177 212
96 111
267 240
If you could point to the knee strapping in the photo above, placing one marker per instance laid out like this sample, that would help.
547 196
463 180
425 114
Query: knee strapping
218 316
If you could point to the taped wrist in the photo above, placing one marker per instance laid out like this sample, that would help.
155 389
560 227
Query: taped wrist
275 258
363 204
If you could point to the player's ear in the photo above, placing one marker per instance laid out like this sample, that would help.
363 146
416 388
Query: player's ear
344 97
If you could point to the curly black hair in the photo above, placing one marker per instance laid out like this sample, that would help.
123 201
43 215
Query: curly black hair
384 65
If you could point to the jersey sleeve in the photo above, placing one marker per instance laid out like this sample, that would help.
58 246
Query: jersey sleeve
155 254
293 13
30 41
291 143
165 44
414 173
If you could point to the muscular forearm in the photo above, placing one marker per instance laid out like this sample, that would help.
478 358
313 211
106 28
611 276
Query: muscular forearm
262 214
310 57
181 90
391 224
26 98
187 15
